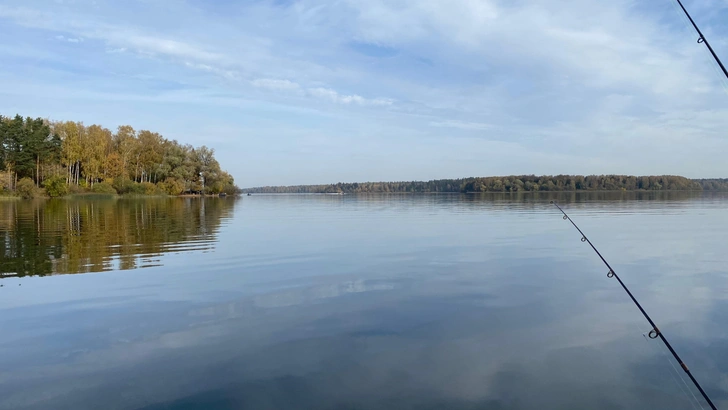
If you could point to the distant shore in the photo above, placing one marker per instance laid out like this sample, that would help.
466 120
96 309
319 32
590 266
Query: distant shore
513 183
90 195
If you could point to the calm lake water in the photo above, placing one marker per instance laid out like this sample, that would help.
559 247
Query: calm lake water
361 302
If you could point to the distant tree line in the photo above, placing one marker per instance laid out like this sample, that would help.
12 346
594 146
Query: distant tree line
522 183
73 154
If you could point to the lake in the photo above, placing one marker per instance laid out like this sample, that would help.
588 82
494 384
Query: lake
361 302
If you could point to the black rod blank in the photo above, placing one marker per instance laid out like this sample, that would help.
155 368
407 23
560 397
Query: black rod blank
702 39
655 332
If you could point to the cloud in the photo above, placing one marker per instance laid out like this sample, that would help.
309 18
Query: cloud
158 45
464 125
587 39
115 36
277 85
333 96
228 74
69 39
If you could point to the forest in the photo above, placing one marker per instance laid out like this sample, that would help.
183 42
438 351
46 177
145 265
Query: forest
66 156
522 183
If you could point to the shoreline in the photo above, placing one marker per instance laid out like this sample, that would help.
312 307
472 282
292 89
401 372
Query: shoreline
486 192
91 195
509 183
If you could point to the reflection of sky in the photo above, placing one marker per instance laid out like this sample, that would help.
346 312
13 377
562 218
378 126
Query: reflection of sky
385 302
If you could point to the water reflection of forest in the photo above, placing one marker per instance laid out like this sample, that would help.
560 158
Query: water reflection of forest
93 235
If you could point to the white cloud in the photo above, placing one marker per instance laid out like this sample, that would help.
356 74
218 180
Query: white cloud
157 45
116 36
605 43
464 125
69 39
228 74
277 85
333 96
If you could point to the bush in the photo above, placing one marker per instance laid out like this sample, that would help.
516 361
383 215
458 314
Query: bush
6 181
214 188
127 186
171 186
56 186
103 188
75 189
149 188
26 188
121 185
136 188
230 189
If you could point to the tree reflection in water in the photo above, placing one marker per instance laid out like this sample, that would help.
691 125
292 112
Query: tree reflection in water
92 235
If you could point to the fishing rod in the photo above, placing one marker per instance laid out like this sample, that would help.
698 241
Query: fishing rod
655 332
702 39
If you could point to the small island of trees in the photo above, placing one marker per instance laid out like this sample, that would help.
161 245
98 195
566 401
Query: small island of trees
38 156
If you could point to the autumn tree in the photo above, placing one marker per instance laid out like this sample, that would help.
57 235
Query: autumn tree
70 134
125 145
95 151
148 155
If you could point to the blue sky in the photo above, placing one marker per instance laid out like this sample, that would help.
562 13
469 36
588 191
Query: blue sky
296 92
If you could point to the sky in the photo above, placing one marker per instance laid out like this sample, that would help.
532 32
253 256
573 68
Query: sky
306 92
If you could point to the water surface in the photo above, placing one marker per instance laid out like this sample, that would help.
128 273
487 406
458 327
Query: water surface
360 302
